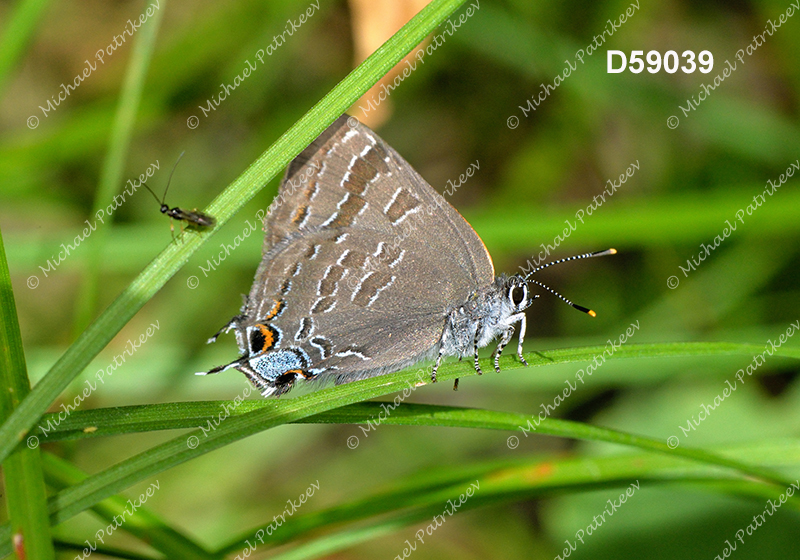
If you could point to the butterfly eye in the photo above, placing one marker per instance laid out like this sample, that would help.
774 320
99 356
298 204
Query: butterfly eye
518 295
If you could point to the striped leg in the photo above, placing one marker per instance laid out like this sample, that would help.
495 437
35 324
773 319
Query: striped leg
500 345
455 383
438 361
522 325
475 346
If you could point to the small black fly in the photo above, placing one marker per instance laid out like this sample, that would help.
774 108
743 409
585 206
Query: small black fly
194 218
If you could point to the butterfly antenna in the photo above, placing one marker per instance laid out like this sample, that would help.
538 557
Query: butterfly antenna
575 258
170 177
565 300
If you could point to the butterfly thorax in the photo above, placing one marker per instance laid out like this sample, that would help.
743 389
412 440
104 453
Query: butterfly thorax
487 313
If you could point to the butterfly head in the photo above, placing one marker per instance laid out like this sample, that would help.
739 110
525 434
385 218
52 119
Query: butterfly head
516 296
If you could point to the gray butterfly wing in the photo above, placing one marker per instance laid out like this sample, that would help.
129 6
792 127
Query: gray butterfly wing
340 303
363 262
350 177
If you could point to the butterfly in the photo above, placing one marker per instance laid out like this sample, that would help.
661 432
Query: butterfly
367 270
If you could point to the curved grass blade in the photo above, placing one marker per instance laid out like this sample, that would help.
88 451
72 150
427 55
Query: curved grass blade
329 544
621 466
511 480
109 551
144 524
238 193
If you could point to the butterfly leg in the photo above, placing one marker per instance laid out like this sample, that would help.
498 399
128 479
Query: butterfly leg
500 345
475 346
438 362
522 324
445 331
455 383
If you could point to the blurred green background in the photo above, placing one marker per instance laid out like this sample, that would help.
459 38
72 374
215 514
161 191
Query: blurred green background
451 111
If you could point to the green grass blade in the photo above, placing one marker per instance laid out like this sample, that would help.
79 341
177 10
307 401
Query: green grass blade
274 413
329 544
17 34
253 179
77 549
115 160
510 480
103 422
144 524
26 499
263 414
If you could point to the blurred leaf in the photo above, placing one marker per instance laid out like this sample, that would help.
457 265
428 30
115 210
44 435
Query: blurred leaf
17 34
115 160
510 480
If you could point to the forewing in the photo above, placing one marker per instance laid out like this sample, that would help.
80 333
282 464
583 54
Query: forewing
350 178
